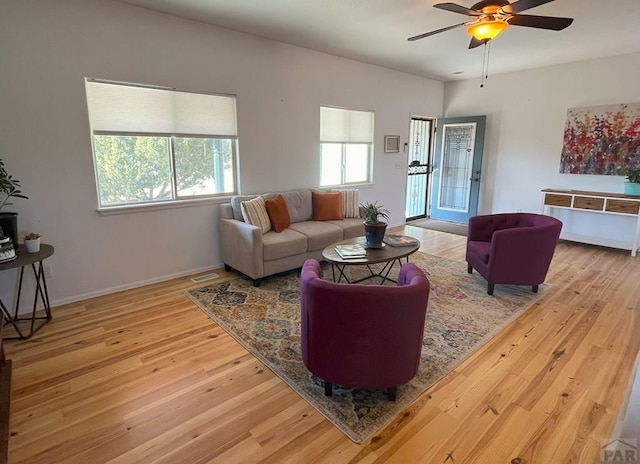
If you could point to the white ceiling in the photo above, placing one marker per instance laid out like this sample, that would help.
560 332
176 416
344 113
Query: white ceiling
376 31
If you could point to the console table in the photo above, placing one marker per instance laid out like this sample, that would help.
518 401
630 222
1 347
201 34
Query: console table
598 202
23 260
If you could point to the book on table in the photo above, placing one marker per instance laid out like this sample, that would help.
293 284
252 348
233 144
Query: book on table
399 240
351 251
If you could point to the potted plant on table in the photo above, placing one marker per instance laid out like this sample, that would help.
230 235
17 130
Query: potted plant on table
374 228
9 188
632 184
32 242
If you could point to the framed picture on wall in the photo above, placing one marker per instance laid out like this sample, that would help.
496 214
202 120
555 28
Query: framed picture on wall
391 143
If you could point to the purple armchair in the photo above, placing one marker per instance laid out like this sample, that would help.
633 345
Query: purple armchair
363 336
512 248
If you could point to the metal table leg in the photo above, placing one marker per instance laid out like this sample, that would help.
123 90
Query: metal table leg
42 292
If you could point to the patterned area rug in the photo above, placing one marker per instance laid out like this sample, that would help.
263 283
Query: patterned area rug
461 317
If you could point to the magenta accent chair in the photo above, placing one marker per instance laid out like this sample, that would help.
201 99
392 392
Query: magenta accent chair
512 248
363 336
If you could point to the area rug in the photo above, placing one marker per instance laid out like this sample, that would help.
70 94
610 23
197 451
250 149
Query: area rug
461 318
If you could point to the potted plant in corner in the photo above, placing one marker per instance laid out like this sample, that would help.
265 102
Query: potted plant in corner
374 228
9 188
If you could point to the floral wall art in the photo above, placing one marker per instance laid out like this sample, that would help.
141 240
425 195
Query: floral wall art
601 140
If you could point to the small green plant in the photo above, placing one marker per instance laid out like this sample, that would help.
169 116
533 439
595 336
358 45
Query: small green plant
634 176
372 212
632 169
32 236
9 187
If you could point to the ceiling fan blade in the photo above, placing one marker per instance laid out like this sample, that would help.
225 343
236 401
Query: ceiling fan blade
458 9
475 43
522 5
427 34
541 22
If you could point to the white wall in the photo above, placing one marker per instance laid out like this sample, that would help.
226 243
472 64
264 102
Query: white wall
526 113
47 48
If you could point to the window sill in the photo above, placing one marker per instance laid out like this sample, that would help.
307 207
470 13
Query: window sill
187 203
349 186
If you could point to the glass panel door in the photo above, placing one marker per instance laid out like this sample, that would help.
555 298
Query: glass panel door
456 168
457 158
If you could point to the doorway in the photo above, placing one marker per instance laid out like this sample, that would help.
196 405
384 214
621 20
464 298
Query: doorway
418 160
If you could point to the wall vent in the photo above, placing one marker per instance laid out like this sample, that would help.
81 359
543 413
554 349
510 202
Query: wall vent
204 278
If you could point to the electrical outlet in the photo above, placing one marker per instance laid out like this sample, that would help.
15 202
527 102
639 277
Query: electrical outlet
48 271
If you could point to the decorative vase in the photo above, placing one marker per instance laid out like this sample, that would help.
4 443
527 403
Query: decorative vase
9 225
374 233
631 188
7 252
33 246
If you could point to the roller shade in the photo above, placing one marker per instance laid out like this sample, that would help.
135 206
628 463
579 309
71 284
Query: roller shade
126 108
343 126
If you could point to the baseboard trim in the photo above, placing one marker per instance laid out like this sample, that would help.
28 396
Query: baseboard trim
120 288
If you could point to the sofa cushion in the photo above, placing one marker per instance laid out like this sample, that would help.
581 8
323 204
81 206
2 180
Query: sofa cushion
350 207
235 205
326 206
350 227
283 244
278 213
254 212
299 204
226 212
319 234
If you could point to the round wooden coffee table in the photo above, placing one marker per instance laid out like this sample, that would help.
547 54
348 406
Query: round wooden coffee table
389 255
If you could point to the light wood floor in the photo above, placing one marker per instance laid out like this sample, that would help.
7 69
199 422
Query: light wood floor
145 376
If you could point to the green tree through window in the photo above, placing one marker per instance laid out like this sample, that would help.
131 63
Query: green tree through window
138 169
154 144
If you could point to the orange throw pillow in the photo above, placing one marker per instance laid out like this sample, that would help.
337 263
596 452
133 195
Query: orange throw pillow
278 213
326 206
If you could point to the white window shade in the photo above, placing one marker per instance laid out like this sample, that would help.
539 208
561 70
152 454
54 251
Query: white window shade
126 108
345 126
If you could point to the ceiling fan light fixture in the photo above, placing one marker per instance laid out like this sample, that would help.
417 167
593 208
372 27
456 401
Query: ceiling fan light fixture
487 30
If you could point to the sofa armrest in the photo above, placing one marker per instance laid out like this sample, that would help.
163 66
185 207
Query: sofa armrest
242 247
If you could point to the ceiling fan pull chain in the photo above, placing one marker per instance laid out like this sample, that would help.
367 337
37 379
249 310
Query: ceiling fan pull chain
488 57
484 61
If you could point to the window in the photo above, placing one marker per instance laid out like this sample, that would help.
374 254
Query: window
155 145
346 146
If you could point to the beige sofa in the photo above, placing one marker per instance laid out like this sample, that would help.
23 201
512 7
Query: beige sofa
246 249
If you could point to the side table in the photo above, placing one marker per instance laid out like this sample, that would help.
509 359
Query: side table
23 260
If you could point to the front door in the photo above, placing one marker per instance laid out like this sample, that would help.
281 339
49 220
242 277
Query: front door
457 162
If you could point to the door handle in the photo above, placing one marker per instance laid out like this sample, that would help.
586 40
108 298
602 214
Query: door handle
475 179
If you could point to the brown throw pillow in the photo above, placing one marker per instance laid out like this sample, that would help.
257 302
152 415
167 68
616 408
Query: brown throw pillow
278 213
326 206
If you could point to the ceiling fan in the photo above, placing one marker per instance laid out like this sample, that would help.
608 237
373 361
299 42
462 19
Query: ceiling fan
491 17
